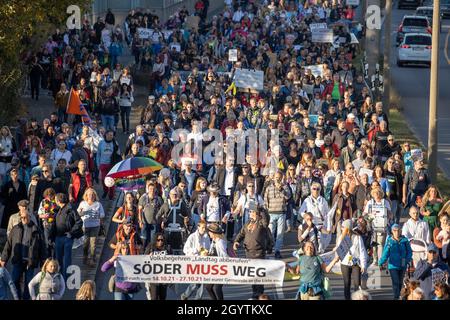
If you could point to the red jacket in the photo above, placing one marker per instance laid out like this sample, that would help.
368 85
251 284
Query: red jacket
76 183
329 89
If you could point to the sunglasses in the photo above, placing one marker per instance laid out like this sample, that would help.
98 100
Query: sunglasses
160 240
45 171
315 189
250 186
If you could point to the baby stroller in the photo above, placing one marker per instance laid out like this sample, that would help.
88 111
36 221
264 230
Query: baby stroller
419 252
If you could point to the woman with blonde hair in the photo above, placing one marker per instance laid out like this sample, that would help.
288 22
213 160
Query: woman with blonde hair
50 282
87 291
92 214
432 204
7 149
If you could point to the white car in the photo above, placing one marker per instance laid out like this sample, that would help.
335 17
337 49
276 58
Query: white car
415 48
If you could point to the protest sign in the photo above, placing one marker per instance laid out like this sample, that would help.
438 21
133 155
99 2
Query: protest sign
354 39
144 33
366 171
199 269
175 46
352 2
322 36
327 257
316 70
344 247
232 55
192 22
438 276
249 79
317 26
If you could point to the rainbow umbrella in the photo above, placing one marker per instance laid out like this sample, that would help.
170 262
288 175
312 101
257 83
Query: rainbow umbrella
134 168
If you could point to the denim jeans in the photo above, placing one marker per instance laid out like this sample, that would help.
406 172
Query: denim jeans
108 122
197 287
123 296
147 233
397 281
17 271
63 248
396 210
125 117
276 226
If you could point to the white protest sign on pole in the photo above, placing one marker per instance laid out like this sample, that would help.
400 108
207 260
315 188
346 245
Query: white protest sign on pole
144 33
354 39
249 79
316 70
344 247
316 26
232 55
199 269
322 36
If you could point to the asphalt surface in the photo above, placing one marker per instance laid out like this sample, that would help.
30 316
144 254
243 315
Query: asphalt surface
412 83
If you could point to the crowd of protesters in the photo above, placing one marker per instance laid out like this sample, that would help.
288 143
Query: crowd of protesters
340 175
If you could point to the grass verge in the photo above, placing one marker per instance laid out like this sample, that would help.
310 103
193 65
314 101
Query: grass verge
403 133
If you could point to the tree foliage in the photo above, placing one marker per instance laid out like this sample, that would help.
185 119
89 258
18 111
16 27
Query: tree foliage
21 22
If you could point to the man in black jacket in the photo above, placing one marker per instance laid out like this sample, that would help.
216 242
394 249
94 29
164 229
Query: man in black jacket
257 238
46 182
67 227
25 247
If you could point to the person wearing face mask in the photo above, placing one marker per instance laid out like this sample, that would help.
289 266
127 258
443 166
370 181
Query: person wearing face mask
257 239
430 268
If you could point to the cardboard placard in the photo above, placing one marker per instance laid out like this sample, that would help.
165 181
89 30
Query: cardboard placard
192 22
177 47
344 247
313 118
144 33
317 26
323 36
232 55
249 79
366 171
316 70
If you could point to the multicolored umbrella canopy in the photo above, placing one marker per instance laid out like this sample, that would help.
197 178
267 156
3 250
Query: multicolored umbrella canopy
134 167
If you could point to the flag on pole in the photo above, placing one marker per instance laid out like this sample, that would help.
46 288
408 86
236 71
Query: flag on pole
75 106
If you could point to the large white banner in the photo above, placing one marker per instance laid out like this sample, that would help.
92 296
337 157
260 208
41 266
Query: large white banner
197 269
249 79
322 36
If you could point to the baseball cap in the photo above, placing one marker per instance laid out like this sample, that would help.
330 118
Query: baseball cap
432 247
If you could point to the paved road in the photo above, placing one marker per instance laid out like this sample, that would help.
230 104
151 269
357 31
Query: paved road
413 84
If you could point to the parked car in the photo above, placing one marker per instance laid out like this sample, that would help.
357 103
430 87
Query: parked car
413 24
428 12
409 3
415 49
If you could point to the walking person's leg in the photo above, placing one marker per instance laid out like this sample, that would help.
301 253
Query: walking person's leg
209 289
127 117
59 250
29 274
92 243
122 118
281 226
346 276
68 243
356 277
218 289
86 245
15 276
396 284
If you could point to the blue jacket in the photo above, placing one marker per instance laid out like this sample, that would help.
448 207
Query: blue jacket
399 253
5 284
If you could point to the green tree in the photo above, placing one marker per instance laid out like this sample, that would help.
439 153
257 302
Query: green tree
23 25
